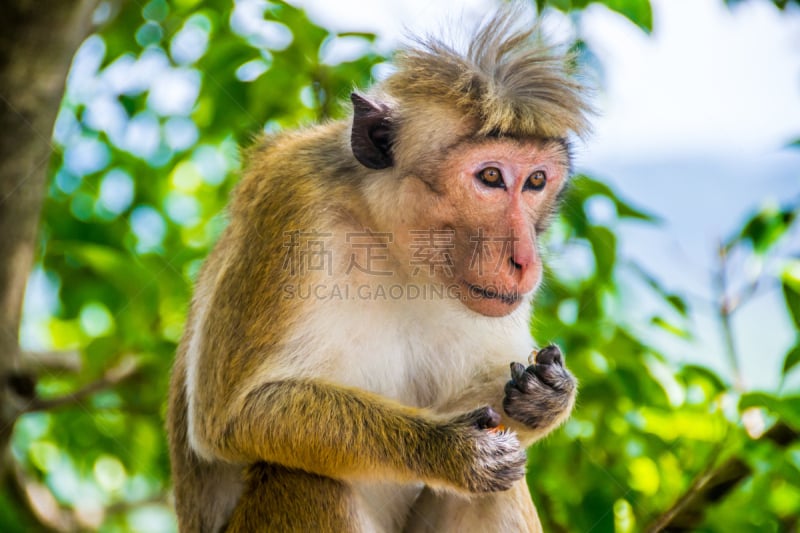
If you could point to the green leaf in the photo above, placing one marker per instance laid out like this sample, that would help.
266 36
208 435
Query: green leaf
685 424
671 328
694 373
562 5
780 4
792 296
584 187
12 517
676 301
787 409
117 267
363 34
637 11
791 359
765 228
100 354
604 246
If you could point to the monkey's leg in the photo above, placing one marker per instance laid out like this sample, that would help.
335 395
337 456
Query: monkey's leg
285 500
511 511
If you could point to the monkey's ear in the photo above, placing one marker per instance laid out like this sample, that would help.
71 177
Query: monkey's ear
371 137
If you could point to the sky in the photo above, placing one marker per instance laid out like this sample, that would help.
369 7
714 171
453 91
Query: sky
711 78
694 120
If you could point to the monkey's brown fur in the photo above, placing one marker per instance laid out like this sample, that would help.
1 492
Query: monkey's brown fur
509 81
285 413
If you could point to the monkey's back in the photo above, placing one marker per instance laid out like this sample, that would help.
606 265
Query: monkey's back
294 181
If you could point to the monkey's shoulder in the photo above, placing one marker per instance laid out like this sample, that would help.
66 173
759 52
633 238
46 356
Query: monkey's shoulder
312 153
297 173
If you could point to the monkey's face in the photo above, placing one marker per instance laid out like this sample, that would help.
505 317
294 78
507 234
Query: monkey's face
494 196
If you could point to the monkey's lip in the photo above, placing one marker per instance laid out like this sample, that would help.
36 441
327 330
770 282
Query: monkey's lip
491 293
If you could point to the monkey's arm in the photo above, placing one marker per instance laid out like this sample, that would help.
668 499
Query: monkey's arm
347 433
533 402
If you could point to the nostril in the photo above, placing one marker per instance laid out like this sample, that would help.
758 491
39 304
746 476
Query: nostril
514 264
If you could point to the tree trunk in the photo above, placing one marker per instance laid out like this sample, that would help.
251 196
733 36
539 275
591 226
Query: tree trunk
37 42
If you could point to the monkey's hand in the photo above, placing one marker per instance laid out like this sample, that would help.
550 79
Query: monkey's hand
542 395
481 456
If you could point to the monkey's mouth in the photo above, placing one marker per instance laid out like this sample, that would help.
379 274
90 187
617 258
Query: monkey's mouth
492 293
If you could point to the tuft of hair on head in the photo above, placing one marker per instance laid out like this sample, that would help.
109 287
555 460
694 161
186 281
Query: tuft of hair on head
509 79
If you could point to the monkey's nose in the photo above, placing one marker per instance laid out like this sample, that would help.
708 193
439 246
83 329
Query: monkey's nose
520 263
518 271
522 270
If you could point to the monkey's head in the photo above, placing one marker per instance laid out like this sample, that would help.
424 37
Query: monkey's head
469 154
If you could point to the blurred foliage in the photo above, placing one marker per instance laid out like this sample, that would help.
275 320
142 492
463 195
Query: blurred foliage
157 105
645 428
637 11
780 4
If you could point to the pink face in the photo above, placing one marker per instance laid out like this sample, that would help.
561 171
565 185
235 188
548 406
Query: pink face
494 195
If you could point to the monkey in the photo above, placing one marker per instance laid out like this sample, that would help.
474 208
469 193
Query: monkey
351 355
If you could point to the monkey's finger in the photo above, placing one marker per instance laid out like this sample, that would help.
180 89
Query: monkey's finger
487 418
517 371
510 389
550 355
522 379
482 418
553 376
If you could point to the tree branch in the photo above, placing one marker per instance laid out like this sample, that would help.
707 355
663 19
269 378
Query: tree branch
714 485
124 507
52 362
33 503
126 369
725 310
43 513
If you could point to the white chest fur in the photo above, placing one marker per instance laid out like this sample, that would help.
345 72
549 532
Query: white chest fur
420 353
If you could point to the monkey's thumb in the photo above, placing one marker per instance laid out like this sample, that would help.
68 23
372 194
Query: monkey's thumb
483 418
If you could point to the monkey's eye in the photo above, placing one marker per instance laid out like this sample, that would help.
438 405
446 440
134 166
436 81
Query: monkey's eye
491 177
536 181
